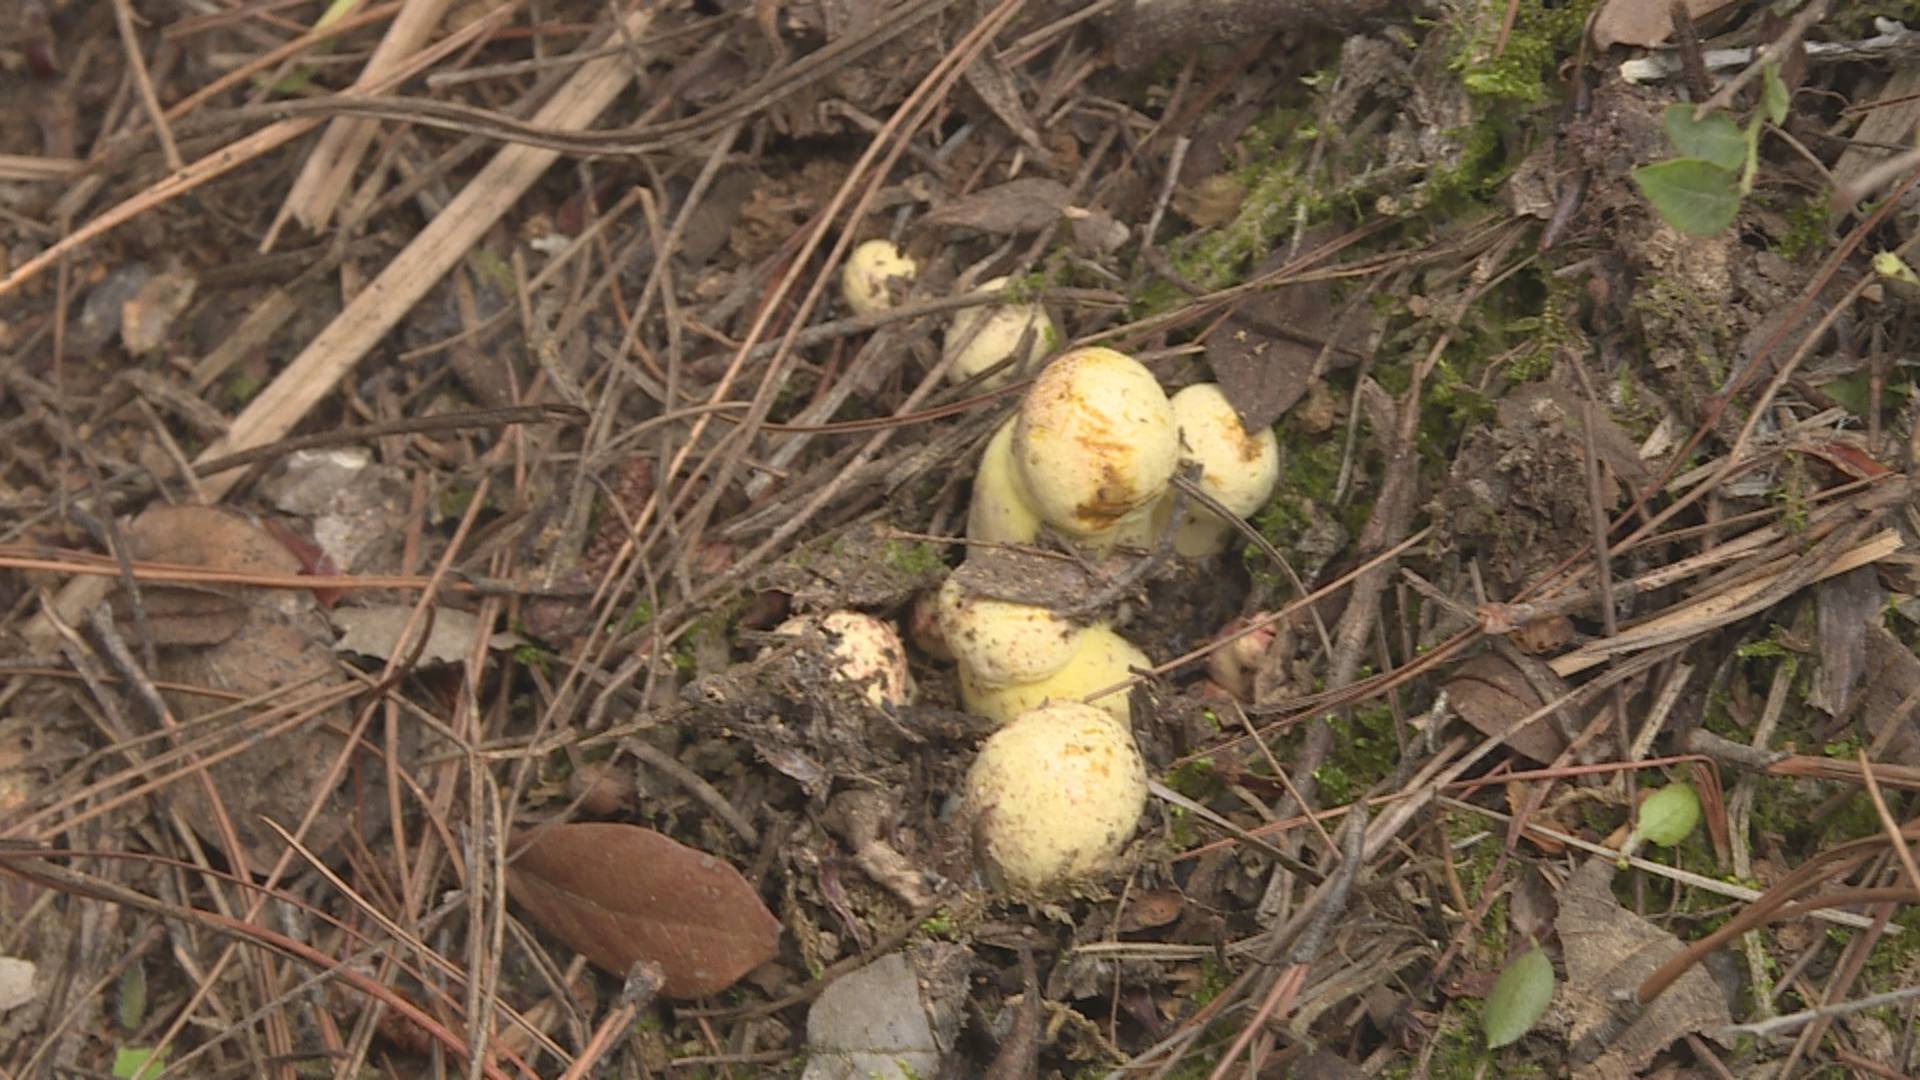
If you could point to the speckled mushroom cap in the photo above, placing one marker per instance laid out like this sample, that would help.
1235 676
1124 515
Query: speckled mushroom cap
998 643
1054 796
1095 441
865 651
873 274
980 337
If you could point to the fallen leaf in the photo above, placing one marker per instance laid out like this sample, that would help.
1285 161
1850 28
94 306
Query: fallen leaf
1017 206
252 643
375 631
1520 996
1264 355
871 1023
1491 694
1608 950
1645 23
619 894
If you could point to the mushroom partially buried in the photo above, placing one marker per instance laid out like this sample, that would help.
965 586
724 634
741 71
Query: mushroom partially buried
865 652
1054 797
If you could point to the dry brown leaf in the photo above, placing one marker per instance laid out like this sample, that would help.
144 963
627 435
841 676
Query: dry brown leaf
1017 206
250 642
1491 694
1265 354
1645 23
1609 950
619 894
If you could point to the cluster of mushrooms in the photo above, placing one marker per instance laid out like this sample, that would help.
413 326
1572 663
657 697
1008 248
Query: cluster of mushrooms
1058 789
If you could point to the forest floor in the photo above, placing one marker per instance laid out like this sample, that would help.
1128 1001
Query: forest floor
432 433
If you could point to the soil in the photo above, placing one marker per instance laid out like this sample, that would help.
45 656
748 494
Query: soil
419 422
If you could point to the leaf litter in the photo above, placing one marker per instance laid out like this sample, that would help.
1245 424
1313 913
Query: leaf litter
1415 245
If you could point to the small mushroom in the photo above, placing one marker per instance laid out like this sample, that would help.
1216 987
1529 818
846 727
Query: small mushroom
1000 643
999 511
865 651
1054 796
1238 468
980 337
875 276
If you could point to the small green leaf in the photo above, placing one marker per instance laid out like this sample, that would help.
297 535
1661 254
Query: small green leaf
1520 995
1669 814
1773 95
138 1062
1694 196
1717 139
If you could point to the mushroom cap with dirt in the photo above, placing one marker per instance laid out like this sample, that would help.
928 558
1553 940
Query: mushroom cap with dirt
865 652
1101 659
1054 797
1238 468
1095 442
875 275
1001 643
980 337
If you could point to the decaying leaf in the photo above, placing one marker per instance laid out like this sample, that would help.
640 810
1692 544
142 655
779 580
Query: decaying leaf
1491 694
619 894
1264 356
1017 206
251 643
375 631
1893 673
1608 951
1645 23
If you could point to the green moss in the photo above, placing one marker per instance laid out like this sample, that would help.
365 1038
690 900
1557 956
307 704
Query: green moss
1364 751
240 388
1523 70
1806 231
1196 779
916 557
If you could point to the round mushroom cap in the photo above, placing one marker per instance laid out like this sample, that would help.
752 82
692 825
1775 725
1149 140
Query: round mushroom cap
874 274
1054 796
980 337
997 642
1238 468
866 652
1101 659
1095 440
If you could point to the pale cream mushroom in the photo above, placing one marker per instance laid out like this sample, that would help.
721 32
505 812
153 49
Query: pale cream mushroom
1054 796
1002 643
980 337
999 512
875 276
1101 660
1238 468
1094 444
866 652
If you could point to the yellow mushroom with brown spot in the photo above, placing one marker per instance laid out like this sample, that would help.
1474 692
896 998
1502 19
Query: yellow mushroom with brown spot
1095 444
